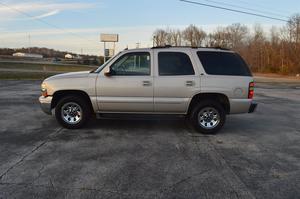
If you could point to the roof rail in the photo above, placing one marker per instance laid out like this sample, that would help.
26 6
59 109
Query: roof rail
170 46
165 46
220 48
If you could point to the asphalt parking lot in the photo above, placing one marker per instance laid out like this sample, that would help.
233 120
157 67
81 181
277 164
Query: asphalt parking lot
254 156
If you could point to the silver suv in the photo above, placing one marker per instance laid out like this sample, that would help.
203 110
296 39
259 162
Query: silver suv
203 84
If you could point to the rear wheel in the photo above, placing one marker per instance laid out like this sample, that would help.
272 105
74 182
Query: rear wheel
72 112
208 117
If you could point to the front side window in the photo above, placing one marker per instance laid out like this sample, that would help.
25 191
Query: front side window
132 64
174 63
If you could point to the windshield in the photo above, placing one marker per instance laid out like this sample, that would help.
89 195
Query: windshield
105 64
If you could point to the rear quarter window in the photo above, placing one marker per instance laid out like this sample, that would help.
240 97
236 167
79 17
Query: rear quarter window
223 63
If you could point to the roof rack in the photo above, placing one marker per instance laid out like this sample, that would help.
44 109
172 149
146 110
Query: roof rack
219 47
170 46
165 46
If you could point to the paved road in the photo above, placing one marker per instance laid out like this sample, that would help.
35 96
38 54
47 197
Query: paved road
255 156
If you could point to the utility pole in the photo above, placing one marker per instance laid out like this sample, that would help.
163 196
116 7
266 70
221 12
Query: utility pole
29 42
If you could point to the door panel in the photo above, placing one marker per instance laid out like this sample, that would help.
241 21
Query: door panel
172 94
175 82
130 88
125 94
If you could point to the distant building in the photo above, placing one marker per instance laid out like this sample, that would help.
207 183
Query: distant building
78 57
28 55
69 56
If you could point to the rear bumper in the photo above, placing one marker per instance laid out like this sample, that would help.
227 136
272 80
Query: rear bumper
45 103
239 106
253 107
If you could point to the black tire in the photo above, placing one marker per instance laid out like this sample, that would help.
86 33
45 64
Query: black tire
199 125
85 112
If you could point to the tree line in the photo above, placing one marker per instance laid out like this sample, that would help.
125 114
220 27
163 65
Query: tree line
275 51
51 53
46 52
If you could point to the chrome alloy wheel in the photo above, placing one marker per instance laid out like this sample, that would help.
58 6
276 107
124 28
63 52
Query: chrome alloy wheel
208 118
71 113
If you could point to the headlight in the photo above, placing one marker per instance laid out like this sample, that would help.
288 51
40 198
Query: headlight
44 90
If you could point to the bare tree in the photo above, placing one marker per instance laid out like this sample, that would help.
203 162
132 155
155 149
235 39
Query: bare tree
219 38
194 36
236 35
293 27
275 51
259 35
275 37
256 48
176 37
160 37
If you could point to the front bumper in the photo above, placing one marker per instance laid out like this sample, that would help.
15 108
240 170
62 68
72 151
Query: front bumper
45 103
253 107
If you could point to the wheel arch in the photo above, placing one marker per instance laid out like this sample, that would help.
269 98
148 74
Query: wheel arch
219 97
58 95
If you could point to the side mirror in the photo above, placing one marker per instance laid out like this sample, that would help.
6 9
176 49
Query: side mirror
108 73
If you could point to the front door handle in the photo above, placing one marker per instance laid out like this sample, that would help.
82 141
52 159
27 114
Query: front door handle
146 83
189 83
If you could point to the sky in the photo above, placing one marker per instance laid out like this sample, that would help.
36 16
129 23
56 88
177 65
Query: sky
75 25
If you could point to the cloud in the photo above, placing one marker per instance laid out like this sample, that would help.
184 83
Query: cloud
48 14
37 10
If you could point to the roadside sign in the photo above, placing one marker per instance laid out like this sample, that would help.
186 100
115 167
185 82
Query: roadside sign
109 52
109 38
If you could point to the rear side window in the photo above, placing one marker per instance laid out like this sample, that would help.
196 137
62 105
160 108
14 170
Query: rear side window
174 63
223 63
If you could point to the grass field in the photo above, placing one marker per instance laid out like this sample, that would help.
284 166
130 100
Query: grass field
10 70
25 75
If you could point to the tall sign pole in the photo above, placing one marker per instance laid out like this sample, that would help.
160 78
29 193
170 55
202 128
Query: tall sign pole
109 38
104 51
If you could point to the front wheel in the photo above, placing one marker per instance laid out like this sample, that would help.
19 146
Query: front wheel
72 112
208 117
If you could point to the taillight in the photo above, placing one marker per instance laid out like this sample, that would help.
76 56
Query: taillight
251 90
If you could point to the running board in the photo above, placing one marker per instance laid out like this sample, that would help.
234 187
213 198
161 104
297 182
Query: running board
127 116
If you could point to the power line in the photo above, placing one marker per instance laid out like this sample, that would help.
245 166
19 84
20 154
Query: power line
234 10
45 22
261 5
244 8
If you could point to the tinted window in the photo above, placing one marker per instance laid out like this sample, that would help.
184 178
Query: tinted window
223 63
174 63
132 64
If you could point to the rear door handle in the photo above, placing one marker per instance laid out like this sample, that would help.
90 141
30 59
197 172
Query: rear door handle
146 83
189 83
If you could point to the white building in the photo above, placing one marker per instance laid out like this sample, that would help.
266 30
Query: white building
69 56
29 55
